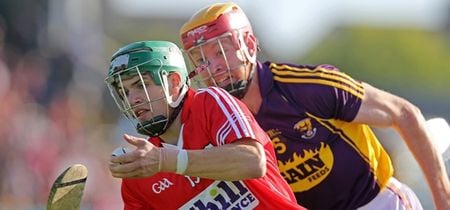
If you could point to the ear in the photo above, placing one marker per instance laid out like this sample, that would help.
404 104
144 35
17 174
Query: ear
252 44
174 83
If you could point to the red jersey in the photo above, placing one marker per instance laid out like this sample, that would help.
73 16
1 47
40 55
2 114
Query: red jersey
211 117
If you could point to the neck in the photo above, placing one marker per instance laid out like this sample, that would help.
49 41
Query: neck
252 97
172 133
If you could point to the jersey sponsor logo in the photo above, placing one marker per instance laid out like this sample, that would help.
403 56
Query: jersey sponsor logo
278 145
223 195
161 185
303 172
305 128
273 133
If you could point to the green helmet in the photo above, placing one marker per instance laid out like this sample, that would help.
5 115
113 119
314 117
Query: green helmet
149 56
157 59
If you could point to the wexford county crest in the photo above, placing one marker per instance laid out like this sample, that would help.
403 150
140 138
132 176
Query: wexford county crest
303 172
305 128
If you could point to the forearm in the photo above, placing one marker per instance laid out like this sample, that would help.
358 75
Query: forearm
244 159
380 108
417 137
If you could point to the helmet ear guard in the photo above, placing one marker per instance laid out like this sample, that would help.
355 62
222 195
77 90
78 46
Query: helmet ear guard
169 79
249 47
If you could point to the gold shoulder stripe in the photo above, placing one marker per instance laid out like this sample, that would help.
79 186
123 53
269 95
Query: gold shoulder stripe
357 92
317 72
315 76
341 74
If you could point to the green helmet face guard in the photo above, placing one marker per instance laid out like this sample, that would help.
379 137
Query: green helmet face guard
154 60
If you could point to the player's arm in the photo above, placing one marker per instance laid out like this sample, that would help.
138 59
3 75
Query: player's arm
380 108
238 152
242 159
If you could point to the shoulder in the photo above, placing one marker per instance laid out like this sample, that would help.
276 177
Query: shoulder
213 97
211 93
283 71
324 75
302 67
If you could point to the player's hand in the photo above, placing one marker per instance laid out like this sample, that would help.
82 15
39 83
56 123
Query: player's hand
142 162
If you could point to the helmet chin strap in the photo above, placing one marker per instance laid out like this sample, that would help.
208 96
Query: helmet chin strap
240 88
154 127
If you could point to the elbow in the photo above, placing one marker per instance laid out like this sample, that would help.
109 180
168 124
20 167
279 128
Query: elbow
259 167
412 127
409 117
258 170
250 157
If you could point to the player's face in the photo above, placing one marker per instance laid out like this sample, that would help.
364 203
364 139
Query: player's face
218 62
146 99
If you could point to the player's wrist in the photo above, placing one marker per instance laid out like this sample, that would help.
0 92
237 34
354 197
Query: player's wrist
168 160
173 160
182 161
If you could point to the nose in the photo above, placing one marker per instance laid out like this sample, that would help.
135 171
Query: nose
215 69
134 98
217 66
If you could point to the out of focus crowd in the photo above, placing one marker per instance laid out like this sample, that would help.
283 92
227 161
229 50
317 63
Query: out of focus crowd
48 121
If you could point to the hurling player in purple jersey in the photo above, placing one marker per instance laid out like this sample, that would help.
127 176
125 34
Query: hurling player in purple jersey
318 119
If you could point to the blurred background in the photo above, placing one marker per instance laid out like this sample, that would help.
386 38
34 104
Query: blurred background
55 110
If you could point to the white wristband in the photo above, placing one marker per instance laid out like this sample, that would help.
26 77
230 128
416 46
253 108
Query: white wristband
182 161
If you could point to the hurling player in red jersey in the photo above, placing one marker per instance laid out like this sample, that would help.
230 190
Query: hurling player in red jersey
318 118
205 150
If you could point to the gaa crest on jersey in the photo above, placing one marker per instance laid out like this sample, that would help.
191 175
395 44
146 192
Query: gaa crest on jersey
223 195
305 128
161 185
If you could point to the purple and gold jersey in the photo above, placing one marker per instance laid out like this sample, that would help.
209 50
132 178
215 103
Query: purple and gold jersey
329 162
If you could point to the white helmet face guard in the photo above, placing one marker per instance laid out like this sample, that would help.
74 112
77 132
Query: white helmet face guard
219 63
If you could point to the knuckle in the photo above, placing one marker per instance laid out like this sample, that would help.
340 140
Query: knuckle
141 153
